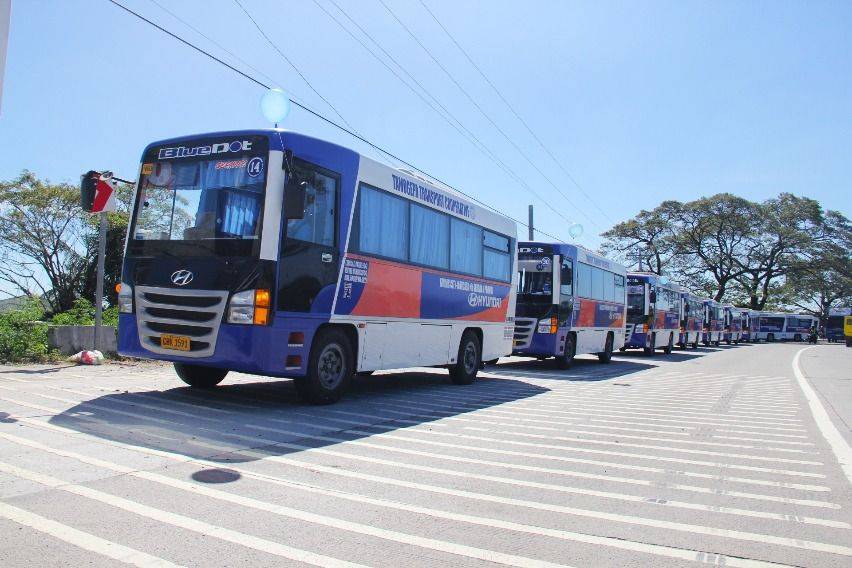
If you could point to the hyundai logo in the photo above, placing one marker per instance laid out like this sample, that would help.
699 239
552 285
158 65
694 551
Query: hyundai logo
181 277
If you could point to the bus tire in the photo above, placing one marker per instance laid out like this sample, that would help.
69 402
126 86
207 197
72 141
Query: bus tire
198 376
565 360
606 355
770 337
650 350
469 359
330 369
695 343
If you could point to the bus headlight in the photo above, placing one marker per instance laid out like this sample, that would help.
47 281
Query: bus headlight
241 307
125 299
249 307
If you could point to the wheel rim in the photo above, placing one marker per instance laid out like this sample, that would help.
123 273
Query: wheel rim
330 366
469 359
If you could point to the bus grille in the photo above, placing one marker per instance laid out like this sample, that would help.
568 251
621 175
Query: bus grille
196 314
628 331
524 328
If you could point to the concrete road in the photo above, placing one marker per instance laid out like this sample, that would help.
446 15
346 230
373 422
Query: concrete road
717 456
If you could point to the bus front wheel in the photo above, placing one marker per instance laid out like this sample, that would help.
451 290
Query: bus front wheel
198 376
468 361
330 369
650 350
565 360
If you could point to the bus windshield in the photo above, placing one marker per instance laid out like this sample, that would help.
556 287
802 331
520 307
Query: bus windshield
535 279
197 200
635 299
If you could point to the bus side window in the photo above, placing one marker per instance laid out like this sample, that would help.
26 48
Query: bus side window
567 276
318 224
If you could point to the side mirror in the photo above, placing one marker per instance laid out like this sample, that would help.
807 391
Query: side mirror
653 296
294 199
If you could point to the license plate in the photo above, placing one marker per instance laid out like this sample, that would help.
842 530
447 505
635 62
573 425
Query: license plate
177 342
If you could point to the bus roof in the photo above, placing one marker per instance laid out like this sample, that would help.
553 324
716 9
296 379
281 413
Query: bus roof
410 185
576 252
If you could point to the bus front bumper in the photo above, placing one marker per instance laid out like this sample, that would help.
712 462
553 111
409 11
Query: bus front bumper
260 350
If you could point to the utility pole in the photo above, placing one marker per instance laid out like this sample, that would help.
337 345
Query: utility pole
530 224
99 287
97 195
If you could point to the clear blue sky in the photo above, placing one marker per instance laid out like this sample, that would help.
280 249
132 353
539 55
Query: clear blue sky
640 101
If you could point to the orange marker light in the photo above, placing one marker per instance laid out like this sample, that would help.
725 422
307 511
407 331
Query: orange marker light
261 298
261 316
554 325
118 288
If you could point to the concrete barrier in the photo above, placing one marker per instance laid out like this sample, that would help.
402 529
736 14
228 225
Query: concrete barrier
69 339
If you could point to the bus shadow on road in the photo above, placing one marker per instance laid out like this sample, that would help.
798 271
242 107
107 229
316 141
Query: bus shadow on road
254 419
582 369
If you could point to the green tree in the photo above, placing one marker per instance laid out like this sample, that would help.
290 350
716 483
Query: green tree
646 241
789 232
48 245
710 239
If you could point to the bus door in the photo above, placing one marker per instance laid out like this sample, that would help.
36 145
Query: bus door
307 272
566 289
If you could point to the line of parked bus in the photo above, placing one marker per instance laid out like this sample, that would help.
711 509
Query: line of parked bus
278 254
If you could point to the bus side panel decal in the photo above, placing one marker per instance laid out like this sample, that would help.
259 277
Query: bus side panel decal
446 296
380 288
598 314
390 290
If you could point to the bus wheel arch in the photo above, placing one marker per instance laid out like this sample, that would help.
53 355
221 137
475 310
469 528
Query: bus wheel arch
565 360
469 357
331 365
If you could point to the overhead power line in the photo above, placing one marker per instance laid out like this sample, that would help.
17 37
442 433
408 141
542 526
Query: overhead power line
318 115
514 112
478 107
452 120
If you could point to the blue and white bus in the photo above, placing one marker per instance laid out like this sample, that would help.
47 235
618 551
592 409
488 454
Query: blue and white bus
691 320
834 324
653 313
713 323
768 326
274 253
570 301
797 327
732 325
748 322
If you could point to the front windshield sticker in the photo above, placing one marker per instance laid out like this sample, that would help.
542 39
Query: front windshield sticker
204 150
255 167
201 200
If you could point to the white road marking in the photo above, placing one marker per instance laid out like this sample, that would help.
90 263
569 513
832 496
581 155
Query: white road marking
829 431
180 521
81 539
649 548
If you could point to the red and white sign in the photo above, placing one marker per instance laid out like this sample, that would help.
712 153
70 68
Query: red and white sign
104 195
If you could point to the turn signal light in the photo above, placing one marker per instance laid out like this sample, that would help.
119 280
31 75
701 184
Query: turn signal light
645 328
554 324
261 316
118 288
261 298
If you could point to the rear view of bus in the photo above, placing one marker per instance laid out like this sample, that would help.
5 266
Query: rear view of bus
834 324
570 302
275 253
